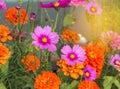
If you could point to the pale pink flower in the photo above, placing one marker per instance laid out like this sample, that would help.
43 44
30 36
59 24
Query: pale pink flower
111 38
76 3
93 8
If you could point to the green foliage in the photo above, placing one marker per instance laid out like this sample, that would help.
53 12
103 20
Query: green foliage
109 81
68 20
2 86
73 85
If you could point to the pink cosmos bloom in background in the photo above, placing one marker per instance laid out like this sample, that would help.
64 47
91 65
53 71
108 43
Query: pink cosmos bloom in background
89 73
76 3
2 5
115 61
57 4
45 38
73 55
111 38
93 8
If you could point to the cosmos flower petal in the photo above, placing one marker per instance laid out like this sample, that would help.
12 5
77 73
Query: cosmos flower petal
2 5
52 48
48 5
66 49
34 36
47 29
38 30
35 43
54 37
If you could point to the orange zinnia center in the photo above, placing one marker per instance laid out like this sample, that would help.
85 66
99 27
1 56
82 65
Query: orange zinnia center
93 9
56 4
44 40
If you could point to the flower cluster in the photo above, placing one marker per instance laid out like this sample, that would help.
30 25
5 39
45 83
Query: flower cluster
73 70
70 36
16 16
31 62
5 33
4 54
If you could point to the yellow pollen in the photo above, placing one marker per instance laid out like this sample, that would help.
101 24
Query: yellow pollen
56 4
87 74
93 9
72 56
44 39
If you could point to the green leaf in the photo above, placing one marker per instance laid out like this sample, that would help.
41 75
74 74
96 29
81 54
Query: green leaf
117 83
108 81
4 68
68 20
2 86
74 84
64 86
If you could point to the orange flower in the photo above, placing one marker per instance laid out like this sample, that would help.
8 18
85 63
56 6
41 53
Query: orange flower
16 16
4 33
31 62
95 58
4 54
47 80
88 85
70 36
73 70
101 45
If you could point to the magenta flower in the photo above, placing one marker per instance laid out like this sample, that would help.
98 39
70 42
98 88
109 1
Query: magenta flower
33 16
73 55
93 8
59 3
115 61
76 3
89 73
2 5
45 38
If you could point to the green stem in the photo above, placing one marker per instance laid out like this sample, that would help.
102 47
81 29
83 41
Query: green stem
56 20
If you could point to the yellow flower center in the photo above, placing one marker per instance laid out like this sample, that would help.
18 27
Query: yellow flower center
44 39
92 55
72 56
87 74
93 9
56 4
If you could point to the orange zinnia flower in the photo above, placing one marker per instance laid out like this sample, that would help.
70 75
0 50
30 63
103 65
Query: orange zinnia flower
73 70
4 33
47 80
31 62
95 58
88 85
70 36
16 16
101 45
4 54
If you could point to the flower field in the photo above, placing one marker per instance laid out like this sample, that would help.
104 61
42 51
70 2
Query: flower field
41 50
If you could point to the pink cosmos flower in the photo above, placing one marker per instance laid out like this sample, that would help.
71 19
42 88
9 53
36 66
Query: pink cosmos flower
115 61
111 38
57 4
76 3
2 5
45 38
93 8
73 55
89 73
